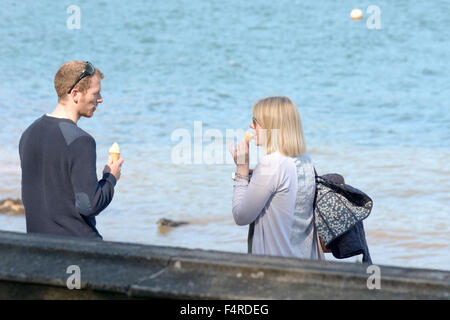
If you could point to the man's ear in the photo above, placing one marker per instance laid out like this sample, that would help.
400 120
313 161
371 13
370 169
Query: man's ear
74 95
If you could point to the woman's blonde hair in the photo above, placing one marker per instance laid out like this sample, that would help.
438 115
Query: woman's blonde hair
283 132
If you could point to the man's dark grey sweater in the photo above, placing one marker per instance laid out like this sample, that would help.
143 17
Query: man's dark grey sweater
60 190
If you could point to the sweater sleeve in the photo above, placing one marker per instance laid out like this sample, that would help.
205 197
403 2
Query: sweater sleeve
249 199
91 195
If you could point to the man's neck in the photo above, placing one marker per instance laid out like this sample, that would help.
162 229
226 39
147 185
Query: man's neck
64 112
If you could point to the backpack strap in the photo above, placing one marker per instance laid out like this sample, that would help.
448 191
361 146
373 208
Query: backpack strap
324 249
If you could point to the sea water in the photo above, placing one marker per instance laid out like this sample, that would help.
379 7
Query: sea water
374 104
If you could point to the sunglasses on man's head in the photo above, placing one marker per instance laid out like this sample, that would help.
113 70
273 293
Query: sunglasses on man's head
88 71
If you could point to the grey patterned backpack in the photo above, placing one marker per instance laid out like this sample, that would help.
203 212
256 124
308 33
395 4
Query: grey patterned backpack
338 207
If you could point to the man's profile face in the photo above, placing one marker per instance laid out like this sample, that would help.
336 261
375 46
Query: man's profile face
87 104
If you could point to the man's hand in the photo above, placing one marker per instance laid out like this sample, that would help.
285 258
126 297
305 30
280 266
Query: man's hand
114 167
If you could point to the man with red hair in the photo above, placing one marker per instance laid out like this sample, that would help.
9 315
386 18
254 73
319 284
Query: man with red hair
60 190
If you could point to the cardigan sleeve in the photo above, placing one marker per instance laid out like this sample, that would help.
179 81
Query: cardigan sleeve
250 198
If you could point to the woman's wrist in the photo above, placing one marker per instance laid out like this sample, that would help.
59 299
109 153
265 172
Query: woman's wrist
243 170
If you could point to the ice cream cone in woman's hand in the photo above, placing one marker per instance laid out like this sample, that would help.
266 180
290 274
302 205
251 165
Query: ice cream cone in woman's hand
248 136
114 152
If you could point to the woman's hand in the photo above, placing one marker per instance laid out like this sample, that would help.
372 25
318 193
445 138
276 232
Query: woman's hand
241 157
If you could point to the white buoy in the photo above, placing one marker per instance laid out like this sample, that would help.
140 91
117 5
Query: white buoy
356 14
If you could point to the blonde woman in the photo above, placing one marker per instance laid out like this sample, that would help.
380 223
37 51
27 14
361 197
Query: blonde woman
277 202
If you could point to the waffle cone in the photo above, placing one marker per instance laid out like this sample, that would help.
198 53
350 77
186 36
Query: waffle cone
248 136
114 156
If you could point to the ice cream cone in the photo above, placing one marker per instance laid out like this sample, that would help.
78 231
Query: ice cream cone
114 156
114 152
248 136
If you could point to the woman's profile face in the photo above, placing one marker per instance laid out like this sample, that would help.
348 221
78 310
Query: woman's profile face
258 129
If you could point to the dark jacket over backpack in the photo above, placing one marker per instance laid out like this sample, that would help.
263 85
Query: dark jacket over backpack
339 210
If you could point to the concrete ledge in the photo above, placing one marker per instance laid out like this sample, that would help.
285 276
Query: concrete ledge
34 267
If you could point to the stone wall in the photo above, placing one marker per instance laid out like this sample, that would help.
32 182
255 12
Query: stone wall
35 267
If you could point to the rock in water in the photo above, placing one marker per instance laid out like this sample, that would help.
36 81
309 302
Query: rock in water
170 223
11 206
166 225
